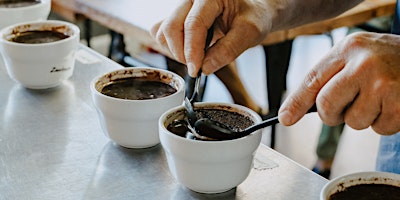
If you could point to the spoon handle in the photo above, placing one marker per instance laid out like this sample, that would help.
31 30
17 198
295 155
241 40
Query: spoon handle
269 122
192 117
191 114
272 121
198 79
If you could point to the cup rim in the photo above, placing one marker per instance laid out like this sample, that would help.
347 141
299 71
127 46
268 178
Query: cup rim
6 30
247 110
40 4
354 179
178 90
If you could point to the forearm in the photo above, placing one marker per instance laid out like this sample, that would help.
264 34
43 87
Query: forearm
291 13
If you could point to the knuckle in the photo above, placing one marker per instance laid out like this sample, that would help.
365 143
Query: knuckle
385 86
295 103
388 122
356 123
223 55
354 40
356 120
228 50
328 111
384 129
325 103
312 81
194 22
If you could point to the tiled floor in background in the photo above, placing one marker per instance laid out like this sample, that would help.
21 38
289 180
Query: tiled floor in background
357 150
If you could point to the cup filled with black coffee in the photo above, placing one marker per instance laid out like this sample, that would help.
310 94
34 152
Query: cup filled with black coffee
18 11
363 185
40 54
130 101
209 166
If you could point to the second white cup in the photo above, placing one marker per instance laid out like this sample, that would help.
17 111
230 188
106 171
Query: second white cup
133 123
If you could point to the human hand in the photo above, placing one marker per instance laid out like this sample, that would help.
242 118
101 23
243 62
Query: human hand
358 83
238 25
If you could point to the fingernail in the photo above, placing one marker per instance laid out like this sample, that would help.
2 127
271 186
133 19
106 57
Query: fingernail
191 69
285 118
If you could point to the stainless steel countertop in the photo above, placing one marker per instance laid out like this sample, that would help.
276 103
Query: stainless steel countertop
52 147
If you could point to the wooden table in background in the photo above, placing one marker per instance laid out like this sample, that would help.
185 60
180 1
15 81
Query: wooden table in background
135 17
360 14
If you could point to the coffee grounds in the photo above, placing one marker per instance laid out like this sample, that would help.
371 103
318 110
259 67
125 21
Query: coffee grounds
233 120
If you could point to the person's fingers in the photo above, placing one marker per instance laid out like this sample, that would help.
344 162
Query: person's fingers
355 88
363 111
229 47
334 97
199 19
300 101
169 33
158 35
388 120
174 31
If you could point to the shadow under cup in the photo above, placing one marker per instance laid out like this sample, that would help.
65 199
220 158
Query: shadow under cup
134 123
44 64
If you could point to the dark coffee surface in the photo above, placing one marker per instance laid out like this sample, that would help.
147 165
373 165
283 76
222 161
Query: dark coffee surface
17 3
233 120
368 192
37 37
138 89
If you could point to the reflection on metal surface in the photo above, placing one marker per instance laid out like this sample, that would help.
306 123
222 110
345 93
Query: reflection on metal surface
261 162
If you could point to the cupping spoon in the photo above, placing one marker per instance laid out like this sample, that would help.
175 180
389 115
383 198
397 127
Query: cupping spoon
214 130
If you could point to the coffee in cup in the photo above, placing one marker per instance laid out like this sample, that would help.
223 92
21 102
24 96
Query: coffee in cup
129 102
17 3
38 37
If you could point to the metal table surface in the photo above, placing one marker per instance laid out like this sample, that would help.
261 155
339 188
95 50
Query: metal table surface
52 147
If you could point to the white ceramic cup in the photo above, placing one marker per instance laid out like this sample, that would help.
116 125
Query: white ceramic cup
209 166
10 16
44 65
340 183
134 123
